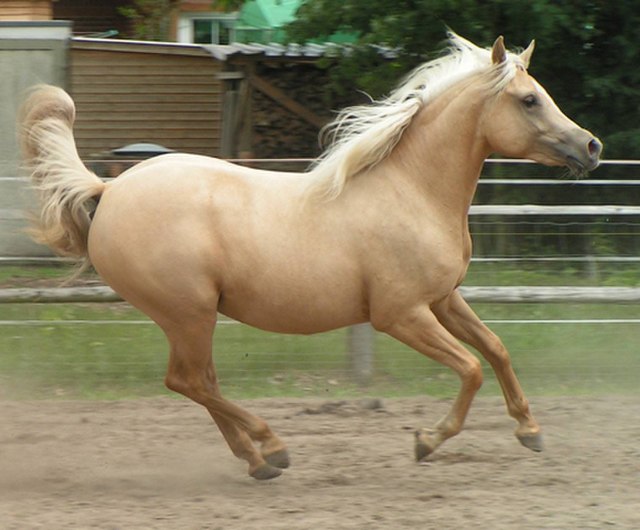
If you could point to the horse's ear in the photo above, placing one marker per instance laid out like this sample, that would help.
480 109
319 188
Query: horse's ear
526 55
498 51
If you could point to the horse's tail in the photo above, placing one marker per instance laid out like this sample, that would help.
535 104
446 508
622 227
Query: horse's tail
67 190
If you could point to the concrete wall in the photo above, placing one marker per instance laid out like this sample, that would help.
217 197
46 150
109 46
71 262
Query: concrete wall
30 53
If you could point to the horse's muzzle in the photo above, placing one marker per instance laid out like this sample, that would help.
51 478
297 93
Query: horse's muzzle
581 151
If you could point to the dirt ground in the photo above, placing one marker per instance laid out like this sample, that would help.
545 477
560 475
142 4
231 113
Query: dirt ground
160 463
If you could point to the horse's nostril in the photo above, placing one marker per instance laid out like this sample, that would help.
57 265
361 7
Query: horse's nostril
594 147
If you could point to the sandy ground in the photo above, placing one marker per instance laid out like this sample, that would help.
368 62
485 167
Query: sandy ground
160 463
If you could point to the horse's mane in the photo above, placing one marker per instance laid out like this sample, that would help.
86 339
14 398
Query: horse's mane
364 135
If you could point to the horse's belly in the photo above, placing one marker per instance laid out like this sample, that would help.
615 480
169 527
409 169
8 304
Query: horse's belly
295 307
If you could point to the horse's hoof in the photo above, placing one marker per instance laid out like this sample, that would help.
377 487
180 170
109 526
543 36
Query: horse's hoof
422 451
265 472
422 446
279 459
533 441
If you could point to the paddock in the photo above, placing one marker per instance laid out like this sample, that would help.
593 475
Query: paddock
121 453
125 454
156 463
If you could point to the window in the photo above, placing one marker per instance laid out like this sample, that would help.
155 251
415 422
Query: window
202 31
212 30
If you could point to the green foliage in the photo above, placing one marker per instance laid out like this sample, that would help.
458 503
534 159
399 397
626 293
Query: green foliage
587 51
229 5
149 18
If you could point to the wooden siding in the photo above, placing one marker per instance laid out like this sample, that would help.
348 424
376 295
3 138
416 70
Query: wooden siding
25 10
126 96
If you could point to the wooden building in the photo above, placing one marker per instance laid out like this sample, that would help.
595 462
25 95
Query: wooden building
233 100
94 17
88 17
133 91
26 10
229 101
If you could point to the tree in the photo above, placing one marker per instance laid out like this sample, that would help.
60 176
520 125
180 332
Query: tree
587 52
149 18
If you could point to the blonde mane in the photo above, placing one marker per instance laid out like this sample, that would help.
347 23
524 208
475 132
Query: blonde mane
363 136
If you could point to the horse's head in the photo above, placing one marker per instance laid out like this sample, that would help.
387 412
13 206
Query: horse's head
525 122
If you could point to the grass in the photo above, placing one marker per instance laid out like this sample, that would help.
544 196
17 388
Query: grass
16 275
120 360
586 274
45 358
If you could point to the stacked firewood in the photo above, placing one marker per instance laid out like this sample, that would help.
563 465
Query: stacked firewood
279 132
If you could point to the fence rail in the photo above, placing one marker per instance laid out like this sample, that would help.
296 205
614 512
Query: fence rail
359 344
55 261
225 322
360 338
489 294
563 209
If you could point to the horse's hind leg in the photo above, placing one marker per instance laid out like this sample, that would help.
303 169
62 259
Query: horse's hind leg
272 450
192 373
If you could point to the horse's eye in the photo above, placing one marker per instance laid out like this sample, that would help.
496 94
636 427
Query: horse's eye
530 101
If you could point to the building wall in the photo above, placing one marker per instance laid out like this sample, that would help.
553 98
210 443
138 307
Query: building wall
27 10
30 53
94 16
131 92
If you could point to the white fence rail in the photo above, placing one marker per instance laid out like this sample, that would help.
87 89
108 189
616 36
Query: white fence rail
564 209
360 338
489 294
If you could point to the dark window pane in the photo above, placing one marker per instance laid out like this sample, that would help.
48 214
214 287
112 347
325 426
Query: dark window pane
202 33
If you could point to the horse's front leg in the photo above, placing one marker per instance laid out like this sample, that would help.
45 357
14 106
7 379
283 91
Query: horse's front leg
455 314
420 329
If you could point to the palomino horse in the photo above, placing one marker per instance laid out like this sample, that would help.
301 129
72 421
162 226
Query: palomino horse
376 231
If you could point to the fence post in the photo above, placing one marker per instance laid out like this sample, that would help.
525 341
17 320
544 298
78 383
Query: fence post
592 268
360 351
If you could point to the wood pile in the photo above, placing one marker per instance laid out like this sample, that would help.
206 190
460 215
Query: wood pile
277 131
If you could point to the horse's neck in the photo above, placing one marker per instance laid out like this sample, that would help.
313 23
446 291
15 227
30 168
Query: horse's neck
441 153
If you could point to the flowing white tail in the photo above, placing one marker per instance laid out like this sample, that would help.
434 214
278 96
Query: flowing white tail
67 190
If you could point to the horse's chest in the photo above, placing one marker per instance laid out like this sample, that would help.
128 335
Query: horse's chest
441 259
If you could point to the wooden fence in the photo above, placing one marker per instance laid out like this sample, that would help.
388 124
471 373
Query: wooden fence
488 294
360 338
